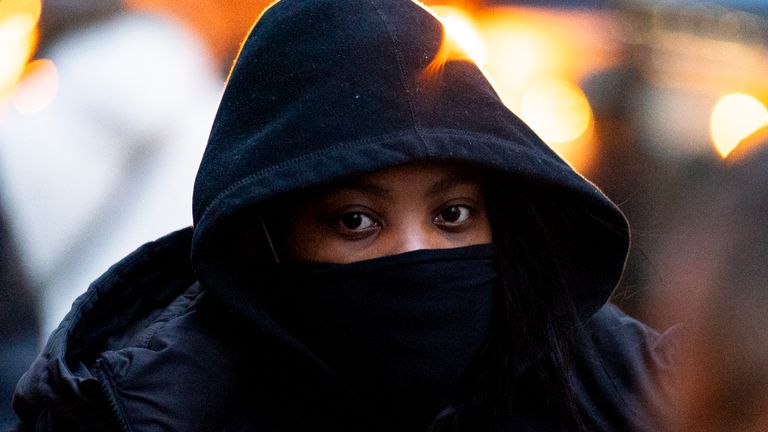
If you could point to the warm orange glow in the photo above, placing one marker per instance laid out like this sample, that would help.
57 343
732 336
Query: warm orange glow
559 113
519 56
221 25
532 57
17 47
37 87
18 37
580 153
28 8
735 117
527 45
462 39
557 110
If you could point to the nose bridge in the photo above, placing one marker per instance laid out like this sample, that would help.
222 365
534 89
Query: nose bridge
414 235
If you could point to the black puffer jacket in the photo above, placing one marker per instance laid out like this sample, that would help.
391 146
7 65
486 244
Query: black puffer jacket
322 89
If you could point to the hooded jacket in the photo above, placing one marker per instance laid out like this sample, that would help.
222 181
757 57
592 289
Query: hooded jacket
321 90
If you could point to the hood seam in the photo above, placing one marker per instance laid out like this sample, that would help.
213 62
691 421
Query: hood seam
401 76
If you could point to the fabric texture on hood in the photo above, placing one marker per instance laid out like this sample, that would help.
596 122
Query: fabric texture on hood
328 89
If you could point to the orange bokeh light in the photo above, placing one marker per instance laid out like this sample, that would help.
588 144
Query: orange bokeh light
18 38
535 58
27 8
461 39
557 110
735 117
37 87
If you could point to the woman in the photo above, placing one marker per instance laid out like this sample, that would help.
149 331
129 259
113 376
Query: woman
379 244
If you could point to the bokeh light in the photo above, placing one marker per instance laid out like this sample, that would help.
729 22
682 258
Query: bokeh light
735 117
557 110
28 8
37 87
518 56
17 47
559 113
461 31
18 37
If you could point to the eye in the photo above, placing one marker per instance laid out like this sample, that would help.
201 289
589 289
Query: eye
453 216
356 221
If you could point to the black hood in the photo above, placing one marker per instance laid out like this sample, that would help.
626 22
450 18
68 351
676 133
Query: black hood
325 89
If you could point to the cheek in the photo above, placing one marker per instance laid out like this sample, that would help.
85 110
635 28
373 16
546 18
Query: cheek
483 233
478 232
305 240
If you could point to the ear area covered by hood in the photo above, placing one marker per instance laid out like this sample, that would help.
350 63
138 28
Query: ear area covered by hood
326 89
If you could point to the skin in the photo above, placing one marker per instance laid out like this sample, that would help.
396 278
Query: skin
392 211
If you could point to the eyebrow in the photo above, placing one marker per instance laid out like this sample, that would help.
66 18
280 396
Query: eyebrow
448 183
367 188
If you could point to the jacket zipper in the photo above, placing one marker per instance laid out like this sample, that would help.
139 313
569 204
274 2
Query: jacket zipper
106 389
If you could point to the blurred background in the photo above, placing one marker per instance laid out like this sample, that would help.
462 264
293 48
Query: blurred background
105 107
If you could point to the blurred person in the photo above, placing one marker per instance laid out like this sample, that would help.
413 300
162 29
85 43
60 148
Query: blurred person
18 321
714 280
62 17
110 161
378 244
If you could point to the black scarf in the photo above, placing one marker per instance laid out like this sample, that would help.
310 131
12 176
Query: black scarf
400 330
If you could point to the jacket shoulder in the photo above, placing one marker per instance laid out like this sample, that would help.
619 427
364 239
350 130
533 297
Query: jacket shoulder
115 360
625 372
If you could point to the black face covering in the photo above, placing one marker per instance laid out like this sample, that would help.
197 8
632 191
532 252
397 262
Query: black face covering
400 330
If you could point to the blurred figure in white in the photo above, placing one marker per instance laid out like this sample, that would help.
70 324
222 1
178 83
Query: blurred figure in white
110 162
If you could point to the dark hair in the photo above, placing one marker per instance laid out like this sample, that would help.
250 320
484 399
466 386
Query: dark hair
536 330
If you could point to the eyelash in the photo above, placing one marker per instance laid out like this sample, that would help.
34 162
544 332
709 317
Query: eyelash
455 226
337 222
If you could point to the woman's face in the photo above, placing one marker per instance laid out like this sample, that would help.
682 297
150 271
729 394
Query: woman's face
395 210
